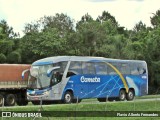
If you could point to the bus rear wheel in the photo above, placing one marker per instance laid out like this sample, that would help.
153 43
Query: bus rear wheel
122 95
68 97
130 95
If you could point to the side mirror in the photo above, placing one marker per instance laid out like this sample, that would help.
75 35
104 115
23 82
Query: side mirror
23 73
49 71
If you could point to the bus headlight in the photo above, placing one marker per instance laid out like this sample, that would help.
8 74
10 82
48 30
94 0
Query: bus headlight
30 92
46 93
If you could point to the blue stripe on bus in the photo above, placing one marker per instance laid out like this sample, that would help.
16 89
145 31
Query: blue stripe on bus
43 63
108 86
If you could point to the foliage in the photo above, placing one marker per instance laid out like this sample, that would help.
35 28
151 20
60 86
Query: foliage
14 57
155 20
8 44
59 35
2 58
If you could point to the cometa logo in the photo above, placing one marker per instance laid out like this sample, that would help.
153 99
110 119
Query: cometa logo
95 79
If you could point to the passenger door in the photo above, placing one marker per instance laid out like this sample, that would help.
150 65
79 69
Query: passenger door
57 79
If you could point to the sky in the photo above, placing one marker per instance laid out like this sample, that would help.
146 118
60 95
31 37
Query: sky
126 12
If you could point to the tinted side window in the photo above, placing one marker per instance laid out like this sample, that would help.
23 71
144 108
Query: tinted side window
56 78
62 65
88 68
142 68
138 68
134 69
101 68
60 71
124 68
74 68
110 70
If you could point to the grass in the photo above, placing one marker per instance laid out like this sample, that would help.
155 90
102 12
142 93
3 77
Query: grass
105 106
92 106
148 96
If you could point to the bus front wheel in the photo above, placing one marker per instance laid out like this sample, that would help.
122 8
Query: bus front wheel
68 97
130 95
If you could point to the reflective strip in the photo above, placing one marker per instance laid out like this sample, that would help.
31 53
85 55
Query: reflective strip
120 74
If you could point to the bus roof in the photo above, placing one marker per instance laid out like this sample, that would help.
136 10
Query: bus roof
55 59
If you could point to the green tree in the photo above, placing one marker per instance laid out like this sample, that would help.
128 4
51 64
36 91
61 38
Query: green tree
90 36
84 19
61 22
155 20
106 16
7 43
100 37
2 58
152 56
31 28
139 27
6 31
14 57
46 37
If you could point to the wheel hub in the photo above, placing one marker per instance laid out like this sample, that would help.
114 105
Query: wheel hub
122 95
68 97
130 94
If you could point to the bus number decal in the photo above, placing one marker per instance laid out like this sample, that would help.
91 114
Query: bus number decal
95 79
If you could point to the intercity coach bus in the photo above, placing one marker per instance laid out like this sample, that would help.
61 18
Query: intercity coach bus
73 78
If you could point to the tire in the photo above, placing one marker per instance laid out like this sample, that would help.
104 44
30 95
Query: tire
122 95
130 95
10 100
1 100
101 99
68 97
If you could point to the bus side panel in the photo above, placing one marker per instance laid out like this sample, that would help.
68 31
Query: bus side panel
106 86
80 89
138 82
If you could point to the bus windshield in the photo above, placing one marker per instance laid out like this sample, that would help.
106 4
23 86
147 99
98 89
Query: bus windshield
38 78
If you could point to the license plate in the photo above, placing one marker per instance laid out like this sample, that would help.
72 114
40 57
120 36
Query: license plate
36 98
